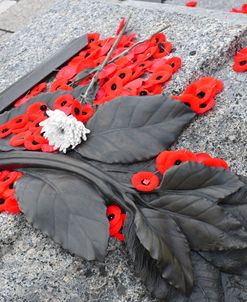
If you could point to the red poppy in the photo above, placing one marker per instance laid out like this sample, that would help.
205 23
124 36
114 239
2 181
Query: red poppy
9 205
107 71
5 130
167 159
30 143
133 85
200 94
158 38
93 37
145 181
57 84
162 50
9 178
18 139
67 72
207 160
36 110
153 89
112 86
191 4
119 235
240 61
141 48
161 76
64 103
22 100
38 89
175 63
18 122
82 112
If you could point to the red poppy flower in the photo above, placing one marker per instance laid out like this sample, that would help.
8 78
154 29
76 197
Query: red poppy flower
9 178
47 148
240 61
31 144
158 38
112 86
141 48
161 76
18 122
124 75
113 213
175 63
162 50
23 100
157 64
67 72
38 89
93 37
18 139
145 181
36 110
107 71
191 4
82 112
64 103
154 89
216 162
5 130
119 235
167 159
134 85
57 84
9 205
137 73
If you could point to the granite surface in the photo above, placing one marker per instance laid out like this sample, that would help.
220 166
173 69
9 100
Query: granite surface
33 267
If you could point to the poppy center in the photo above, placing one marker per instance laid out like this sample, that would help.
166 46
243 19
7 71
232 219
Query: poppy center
172 65
161 47
11 186
122 75
43 107
5 130
19 121
64 103
187 104
203 105
114 86
146 182
110 217
143 92
35 143
201 94
178 162
242 63
159 77
1 201
77 111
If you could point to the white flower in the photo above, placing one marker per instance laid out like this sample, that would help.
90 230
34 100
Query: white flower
63 131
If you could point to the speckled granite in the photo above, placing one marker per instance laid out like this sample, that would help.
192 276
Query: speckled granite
33 267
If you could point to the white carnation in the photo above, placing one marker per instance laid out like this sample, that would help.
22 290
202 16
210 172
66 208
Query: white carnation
63 131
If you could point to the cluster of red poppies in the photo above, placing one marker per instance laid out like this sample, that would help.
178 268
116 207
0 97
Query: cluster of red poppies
116 219
200 94
142 71
240 61
243 9
148 181
26 130
8 202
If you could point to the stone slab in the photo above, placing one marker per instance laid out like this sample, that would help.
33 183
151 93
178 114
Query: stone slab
5 5
19 15
33 267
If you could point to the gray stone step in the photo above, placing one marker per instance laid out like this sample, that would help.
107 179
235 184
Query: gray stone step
33 267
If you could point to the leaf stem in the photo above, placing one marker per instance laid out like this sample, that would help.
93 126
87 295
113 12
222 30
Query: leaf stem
95 77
